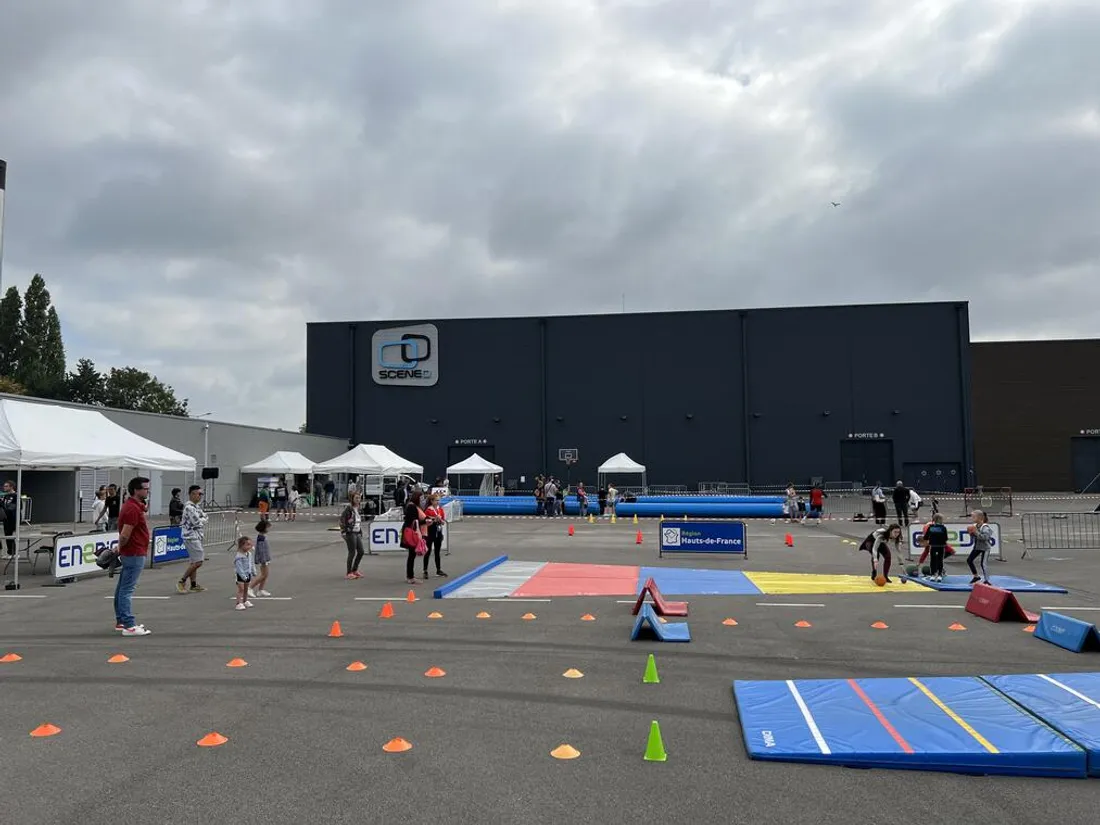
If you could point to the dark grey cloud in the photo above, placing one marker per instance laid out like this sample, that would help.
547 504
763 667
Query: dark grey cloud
216 173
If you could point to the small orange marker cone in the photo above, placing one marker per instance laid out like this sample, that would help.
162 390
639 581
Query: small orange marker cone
411 597
588 617
880 626
957 626
236 663
45 730
386 612
435 672
573 673
789 540
803 623
356 666
529 617
335 632
483 615
8 658
435 614
118 659
638 538
565 752
397 745
1029 629
212 740
571 529
730 622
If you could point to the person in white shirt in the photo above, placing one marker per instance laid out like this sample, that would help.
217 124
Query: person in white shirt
99 511
192 523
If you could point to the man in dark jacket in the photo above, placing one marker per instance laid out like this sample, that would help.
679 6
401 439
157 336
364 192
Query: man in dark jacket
901 503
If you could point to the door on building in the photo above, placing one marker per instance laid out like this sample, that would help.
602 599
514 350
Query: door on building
867 461
1085 451
933 477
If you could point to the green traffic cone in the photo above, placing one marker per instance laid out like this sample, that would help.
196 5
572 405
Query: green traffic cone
651 677
655 749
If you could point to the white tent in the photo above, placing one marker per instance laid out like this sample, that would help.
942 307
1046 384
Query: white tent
620 464
475 465
51 437
369 459
282 462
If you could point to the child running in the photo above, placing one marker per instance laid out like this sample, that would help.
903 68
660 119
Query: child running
242 564
983 540
261 558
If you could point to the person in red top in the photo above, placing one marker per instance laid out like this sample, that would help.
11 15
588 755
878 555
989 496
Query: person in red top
817 503
133 547
437 518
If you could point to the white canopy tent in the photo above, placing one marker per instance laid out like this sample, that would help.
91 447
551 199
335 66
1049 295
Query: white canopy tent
620 464
475 465
282 462
369 459
51 437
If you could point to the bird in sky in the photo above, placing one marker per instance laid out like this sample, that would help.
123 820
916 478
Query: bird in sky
834 203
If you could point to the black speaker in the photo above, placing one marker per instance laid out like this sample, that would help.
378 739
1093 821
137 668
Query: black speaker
209 472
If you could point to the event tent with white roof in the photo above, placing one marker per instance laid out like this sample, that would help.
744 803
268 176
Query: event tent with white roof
475 465
283 461
51 437
620 464
369 459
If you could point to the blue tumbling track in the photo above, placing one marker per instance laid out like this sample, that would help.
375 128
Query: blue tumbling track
679 581
1068 702
700 506
962 584
951 724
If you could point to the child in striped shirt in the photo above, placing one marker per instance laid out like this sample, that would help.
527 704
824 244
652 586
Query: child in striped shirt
244 569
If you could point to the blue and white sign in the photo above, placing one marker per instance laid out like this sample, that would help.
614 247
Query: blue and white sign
76 555
168 545
703 537
957 536
385 536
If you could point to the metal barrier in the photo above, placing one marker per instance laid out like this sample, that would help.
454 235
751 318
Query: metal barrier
995 501
1060 531
222 529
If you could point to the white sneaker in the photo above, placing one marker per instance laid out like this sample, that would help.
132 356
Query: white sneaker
240 606
248 603
136 630
264 593
251 593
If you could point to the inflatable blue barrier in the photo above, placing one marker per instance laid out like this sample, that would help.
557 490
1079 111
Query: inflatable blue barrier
699 506
711 499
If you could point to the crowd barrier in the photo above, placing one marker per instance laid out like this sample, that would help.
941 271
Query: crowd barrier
1060 531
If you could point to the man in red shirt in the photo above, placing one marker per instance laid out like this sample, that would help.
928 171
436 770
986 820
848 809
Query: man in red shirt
133 547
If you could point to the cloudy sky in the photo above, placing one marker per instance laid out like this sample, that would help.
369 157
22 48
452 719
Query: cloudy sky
206 176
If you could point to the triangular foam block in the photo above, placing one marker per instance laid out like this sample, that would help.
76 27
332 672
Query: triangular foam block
997 605
662 607
1067 632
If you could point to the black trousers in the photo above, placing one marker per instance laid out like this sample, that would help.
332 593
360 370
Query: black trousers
435 544
879 509
903 513
935 556
9 530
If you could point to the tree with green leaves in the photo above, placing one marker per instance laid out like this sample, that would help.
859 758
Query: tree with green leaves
132 389
42 355
53 358
11 332
86 384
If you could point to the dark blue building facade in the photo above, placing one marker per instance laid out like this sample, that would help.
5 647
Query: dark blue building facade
852 393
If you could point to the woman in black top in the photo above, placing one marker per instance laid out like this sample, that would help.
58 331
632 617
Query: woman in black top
416 519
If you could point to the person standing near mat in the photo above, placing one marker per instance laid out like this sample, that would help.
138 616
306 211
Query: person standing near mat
935 538
413 533
437 518
351 528
983 540
883 543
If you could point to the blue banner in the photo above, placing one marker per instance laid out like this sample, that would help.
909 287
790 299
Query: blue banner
703 537
168 545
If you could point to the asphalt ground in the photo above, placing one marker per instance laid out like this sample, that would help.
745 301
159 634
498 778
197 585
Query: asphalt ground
305 736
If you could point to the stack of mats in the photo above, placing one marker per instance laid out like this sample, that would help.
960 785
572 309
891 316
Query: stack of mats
1010 725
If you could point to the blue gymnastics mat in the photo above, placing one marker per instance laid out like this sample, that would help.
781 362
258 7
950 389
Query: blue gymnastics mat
649 626
950 724
680 581
1068 702
962 583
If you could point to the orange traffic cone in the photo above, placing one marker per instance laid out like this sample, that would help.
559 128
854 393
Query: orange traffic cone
8 658
803 623
435 672
730 622
212 740
236 663
789 540
571 531
356 666
386 612
411 597
335 632
638 538
45 729
397 745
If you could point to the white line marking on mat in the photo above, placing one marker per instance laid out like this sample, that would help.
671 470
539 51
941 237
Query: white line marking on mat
1070 690
809 718
934 606
787 604
158 598
1061 607
22 596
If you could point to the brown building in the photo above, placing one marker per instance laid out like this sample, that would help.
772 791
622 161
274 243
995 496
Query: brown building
1036 411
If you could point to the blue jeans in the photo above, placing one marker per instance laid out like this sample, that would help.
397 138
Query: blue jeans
124 589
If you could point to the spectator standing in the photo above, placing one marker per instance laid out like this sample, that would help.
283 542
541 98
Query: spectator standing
175 507
901 503
878 503
133 547
114 506
99 510
192 524
9 503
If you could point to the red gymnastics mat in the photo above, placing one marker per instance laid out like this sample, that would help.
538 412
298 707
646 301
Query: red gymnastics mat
556 579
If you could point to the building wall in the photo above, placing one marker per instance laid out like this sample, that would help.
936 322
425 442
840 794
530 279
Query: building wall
1035 403
695 396
231 446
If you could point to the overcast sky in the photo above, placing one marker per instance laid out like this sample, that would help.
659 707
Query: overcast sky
204 177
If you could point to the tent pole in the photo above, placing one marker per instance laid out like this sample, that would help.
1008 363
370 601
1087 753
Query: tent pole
18 519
